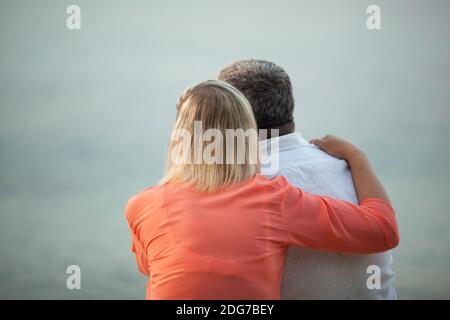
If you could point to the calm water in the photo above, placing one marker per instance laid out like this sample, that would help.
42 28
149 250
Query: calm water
85 117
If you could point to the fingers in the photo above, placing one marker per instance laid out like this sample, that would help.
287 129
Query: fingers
317 142
323 138
321 141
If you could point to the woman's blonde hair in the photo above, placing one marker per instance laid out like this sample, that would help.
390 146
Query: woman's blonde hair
218 106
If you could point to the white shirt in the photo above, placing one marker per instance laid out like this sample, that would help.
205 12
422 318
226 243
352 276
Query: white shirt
311 274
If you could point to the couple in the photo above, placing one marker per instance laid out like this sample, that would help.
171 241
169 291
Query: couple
311 230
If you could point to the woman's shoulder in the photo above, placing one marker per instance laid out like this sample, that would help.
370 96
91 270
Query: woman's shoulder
274 182
140 199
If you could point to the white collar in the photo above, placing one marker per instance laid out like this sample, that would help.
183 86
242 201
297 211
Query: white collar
285 142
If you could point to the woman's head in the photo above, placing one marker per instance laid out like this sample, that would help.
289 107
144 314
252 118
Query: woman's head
214 143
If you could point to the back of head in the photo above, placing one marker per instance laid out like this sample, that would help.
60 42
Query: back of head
202 152
267 87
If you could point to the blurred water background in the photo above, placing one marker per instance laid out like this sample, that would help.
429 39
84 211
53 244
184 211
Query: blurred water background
85 118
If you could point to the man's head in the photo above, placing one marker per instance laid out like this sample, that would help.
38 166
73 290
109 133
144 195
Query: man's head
269 90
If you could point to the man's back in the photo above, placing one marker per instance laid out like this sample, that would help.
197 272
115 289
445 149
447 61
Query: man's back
311 274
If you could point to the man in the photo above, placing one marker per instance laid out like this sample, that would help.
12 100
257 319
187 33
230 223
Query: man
309 274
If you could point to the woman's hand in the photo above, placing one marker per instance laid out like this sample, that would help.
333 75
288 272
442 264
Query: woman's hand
338 148
366 182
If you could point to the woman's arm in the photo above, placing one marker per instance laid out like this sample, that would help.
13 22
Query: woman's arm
333 225
366 182
136 246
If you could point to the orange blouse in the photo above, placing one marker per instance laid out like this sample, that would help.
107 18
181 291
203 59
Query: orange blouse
231 244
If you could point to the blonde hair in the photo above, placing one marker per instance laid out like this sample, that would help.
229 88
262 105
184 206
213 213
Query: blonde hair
220 106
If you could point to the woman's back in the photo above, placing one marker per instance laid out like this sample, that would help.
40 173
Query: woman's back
231 244
216 246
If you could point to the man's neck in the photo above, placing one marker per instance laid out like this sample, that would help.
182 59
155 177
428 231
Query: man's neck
284 129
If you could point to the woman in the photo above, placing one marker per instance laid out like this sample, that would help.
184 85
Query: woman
214 230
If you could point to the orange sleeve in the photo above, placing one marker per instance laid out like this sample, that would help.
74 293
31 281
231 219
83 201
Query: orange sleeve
136 246
141 255
338 226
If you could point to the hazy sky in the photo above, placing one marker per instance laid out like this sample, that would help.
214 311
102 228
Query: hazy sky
85 117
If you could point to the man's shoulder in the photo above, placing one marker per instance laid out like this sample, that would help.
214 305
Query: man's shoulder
307 155
315 171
